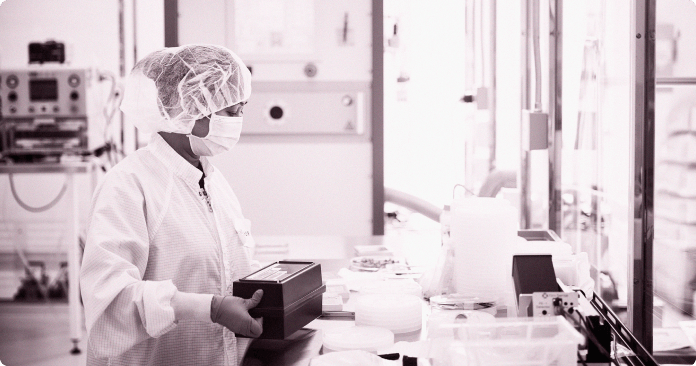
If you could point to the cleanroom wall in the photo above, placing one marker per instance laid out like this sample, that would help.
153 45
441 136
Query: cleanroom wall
304 164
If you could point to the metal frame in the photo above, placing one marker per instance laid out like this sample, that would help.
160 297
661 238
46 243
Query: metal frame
171 23
492 88
640 284
525 177
377 120
555 116
642 355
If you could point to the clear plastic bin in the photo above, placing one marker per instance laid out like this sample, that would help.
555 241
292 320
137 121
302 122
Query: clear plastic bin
548 341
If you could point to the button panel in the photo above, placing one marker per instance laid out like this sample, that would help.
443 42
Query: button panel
45 92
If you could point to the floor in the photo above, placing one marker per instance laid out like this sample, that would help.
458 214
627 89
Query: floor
36 335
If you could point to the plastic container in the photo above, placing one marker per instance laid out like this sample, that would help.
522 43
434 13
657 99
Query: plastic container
483 234
397 312
439 318
518 341
370 339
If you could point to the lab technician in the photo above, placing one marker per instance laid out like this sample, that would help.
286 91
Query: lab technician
166 236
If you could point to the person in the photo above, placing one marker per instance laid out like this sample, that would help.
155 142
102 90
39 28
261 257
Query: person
166 236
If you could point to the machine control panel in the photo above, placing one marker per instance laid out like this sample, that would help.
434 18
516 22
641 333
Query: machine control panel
40 93
551 303
45 112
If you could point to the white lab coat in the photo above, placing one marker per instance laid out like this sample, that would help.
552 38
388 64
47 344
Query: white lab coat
151 233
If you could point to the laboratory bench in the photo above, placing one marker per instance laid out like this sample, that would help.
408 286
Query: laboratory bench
332 253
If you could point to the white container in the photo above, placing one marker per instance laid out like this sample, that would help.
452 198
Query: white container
370 339
399 313
518 341
393 286
483 233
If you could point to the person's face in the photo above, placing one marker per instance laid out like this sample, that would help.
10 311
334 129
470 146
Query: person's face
202 125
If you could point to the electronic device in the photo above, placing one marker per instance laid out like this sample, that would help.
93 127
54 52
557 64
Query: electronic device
49 51
530 274
292 296
554 303
45 111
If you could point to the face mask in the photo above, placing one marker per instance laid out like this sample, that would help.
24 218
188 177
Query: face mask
223 134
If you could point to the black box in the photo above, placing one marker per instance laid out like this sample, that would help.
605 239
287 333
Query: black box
292 296
532 273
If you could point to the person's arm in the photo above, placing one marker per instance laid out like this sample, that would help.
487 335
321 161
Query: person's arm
121 309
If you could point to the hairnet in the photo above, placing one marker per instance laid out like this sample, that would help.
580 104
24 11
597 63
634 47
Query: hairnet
169 89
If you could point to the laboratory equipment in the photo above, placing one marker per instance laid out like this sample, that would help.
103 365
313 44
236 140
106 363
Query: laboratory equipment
46 110
531 274
49 51
292 296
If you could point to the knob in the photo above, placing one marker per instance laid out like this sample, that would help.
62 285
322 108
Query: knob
310 70
74 80
56 109
12 97
276 112
347 100
12 81
32 109
74 95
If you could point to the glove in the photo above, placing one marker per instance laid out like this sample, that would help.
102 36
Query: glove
233 313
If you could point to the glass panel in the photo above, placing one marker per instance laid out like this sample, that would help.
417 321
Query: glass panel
597 143
674 259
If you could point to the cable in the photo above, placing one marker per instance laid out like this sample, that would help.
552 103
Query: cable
41 208
109 111
454 190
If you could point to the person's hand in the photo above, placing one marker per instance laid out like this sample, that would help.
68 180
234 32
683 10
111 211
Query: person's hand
233 313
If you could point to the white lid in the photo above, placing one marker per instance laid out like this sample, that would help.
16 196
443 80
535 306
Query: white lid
365 338
393 286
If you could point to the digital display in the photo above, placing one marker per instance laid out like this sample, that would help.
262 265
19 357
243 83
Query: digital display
41 90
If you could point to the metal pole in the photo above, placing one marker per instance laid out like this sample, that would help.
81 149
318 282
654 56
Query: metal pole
492 87
524 177
640 284
470 88
555 138
377 122
75 307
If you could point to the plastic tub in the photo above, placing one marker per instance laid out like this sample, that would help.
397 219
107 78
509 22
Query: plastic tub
519 341
399 313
